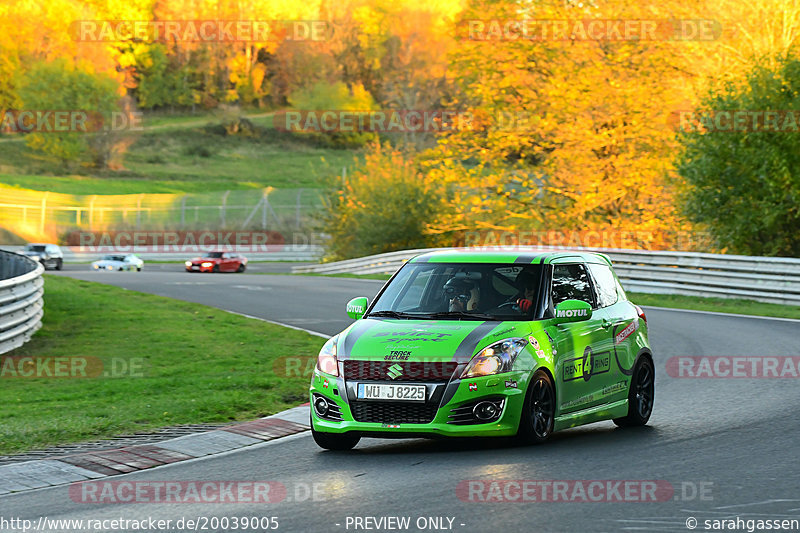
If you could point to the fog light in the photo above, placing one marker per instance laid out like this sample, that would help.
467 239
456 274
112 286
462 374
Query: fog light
486 411
321 406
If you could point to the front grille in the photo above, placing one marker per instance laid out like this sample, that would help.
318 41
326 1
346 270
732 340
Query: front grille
393 412
404 370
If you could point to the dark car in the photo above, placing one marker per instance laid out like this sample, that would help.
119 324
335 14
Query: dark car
49 255
217 262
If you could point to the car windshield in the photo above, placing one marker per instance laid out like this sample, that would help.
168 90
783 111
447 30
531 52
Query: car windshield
34 248
213 255
462 291
113 258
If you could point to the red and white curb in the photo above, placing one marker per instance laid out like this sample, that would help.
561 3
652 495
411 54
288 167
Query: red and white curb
36 474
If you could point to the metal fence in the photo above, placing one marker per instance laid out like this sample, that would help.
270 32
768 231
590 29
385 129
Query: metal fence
764 279
46 216
21 304
279 252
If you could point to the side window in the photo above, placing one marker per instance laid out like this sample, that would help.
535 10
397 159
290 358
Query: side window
605 285
570 282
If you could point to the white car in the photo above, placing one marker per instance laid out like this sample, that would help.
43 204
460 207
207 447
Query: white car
118 262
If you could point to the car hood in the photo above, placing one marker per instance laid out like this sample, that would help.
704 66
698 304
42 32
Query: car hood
373 339
206 260
107 263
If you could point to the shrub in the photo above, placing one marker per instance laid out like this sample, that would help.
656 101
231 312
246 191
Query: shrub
385 205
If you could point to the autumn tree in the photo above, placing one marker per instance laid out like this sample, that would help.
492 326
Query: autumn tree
385 204
569 134
79 91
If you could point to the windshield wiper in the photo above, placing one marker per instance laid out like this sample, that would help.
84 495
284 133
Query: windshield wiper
391 314
460 314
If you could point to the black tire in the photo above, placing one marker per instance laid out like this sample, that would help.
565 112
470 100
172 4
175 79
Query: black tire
59 264
334 441
138 269
641 395
215 269
241 268
121 269
539 410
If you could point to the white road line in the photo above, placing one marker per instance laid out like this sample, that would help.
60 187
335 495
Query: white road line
310 332
736 315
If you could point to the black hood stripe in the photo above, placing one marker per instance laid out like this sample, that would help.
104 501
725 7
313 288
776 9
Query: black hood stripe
465 350
355 333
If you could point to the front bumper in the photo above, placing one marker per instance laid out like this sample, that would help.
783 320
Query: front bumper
446 402
199 268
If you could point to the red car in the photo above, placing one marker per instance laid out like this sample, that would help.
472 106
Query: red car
217 262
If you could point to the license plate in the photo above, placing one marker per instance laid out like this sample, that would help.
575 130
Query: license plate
404 393
195 267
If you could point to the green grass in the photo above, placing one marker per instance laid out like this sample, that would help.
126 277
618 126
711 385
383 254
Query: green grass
200 365
175 157
382 277
720 305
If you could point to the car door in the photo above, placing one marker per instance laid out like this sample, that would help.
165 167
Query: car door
225 262
608 383
580 345
621 320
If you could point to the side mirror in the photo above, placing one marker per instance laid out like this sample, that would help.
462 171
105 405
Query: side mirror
357 307
573 311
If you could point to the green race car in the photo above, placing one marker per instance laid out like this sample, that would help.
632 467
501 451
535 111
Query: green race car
466 344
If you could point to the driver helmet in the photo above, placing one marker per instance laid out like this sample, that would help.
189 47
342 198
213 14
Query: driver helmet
461 294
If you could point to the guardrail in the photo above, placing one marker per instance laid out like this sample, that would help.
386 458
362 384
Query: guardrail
277 252
765 279
21 305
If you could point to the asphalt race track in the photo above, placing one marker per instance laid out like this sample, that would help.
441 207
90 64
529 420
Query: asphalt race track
728 447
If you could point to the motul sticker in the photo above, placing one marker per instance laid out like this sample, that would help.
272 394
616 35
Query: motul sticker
561 313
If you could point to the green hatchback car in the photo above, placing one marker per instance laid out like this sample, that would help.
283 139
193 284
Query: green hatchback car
466 344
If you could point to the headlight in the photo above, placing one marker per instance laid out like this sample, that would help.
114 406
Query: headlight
495 359
109 267
188 263
326 360
206 264
95 267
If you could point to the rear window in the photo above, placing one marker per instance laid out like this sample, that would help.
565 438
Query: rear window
605 285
